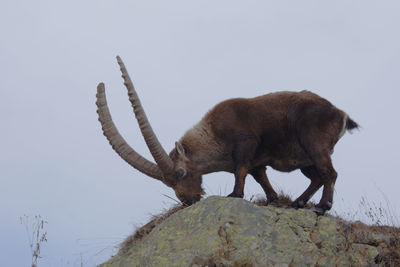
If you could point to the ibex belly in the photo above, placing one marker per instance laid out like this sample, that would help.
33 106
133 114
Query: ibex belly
293 158
289 164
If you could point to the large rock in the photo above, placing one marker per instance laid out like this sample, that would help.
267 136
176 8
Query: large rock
221 231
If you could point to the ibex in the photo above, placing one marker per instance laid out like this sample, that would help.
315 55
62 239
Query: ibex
284 130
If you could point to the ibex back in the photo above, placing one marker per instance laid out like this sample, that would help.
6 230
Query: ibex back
284 130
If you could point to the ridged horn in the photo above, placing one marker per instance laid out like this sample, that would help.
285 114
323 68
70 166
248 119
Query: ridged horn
117 141
157 151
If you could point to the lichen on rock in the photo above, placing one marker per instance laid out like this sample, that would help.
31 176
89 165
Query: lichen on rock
220 231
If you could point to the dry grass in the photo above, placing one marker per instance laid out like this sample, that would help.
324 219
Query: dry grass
385 225
387 238
36 235
143 231
284 200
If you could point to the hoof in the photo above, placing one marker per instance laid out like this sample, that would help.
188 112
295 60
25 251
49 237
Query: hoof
235 195
318 211
273 203
325 206
298 204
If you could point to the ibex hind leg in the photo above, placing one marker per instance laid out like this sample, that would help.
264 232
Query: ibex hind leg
312 173
328 175
327 178
321 174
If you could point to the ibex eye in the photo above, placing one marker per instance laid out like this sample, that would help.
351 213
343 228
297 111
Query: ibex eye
181 172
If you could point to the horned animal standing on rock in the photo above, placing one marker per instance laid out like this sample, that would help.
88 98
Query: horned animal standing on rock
284 130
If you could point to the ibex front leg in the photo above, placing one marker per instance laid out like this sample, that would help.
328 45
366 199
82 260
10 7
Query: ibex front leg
243 153
260 176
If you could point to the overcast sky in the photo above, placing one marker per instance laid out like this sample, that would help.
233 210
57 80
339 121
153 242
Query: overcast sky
184 57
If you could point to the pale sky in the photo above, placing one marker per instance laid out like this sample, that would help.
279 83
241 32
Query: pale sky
184 57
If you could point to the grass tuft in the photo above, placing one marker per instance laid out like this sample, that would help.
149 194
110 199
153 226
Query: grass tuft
143 231
284 200
37 235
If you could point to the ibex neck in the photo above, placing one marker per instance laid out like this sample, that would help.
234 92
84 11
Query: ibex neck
206 152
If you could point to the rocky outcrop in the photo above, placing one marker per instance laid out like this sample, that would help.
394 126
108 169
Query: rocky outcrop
221 231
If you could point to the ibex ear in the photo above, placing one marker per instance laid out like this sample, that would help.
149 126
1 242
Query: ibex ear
179 148
181 172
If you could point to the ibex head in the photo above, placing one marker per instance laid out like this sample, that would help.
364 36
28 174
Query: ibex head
173 170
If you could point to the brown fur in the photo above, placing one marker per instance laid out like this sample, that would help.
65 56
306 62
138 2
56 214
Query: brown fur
284 130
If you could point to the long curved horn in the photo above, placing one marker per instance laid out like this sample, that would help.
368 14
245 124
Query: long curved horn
157 151
117 141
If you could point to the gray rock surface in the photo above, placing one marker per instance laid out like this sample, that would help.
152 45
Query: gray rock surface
220 231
